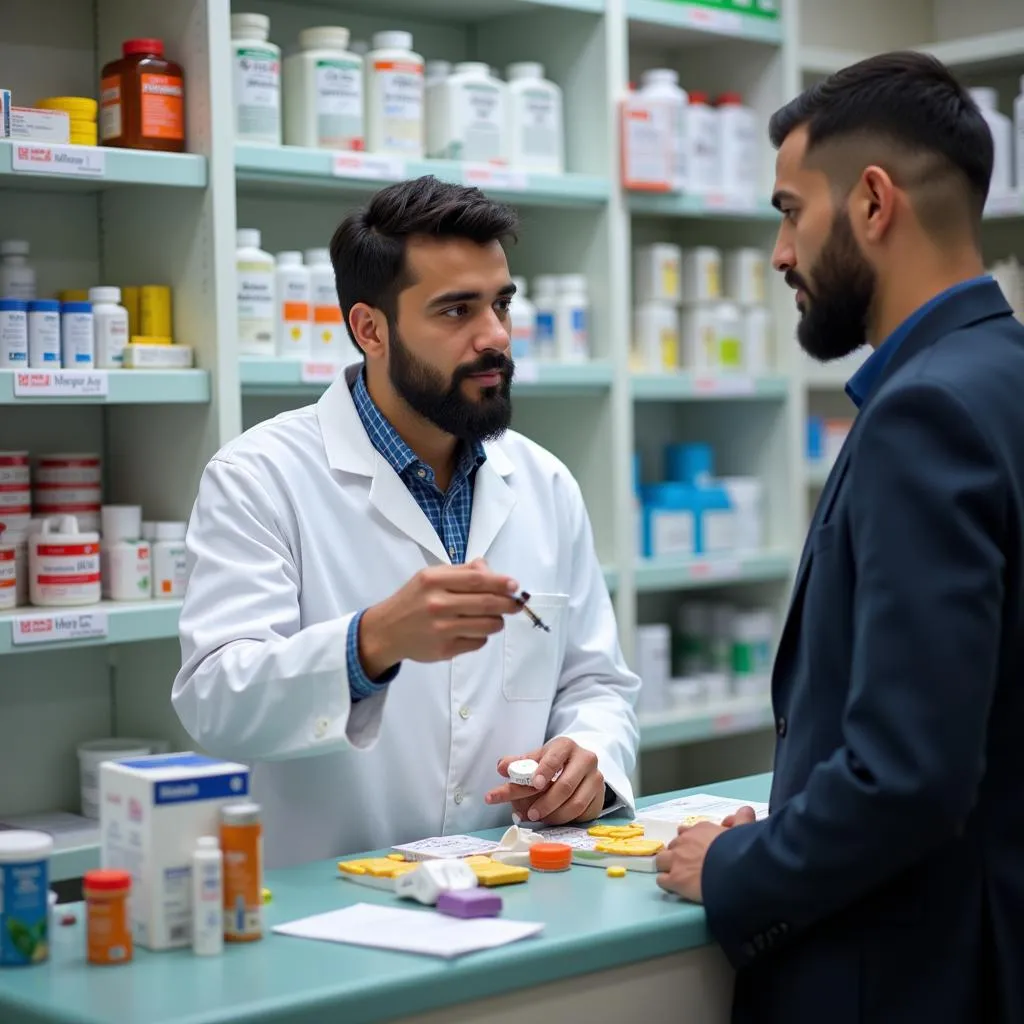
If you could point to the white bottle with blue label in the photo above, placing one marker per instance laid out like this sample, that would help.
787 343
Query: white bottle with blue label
13 334
572 338
207 897
545 299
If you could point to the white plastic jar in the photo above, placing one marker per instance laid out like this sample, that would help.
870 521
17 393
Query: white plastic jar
323 92
523 315
756 339
292 313
44 334
17 276
572 323
703 162
257 80
702 274
77 336
737 147
435 74
545 301
328 340
394 97
700 337
169 566
745 273
1001 128
535 138
470 115
13 334
730 336
63 565
8 574
125 558
254 276
69 468
661 86
656 336
110 327
657 273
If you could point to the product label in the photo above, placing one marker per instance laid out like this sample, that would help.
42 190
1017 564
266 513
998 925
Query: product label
39 629
672 533
77 161
61 384
479 116
339 104
163 107
170 571
111 338
539 116
319 373
257 93
255 309
498 179
646 147
400 94
669 343
13 339
726 384
110 108
24 912
578 326
372 166
716 569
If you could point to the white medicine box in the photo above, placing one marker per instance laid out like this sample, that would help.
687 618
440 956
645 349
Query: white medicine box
152 811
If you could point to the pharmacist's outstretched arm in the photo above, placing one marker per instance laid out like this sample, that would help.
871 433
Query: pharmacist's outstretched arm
253 685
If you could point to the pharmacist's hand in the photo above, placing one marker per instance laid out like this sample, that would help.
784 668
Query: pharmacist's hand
441 612
575 794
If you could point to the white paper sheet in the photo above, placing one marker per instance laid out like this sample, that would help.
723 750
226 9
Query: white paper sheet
700 804
410 931
446 846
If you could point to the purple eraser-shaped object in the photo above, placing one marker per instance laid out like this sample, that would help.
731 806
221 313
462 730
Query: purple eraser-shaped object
469 903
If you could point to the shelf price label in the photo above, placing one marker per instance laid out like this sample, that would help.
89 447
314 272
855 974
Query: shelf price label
500 178
75 161
715 569
527 371
320 373
714 21
730 203
368 165
724 384
61 383
58 627
741 721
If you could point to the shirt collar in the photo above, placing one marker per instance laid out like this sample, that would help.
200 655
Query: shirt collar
861 384
393 448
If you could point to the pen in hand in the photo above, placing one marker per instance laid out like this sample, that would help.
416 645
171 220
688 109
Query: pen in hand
521 599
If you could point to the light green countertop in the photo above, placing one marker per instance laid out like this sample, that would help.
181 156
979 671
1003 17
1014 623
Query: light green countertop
592 922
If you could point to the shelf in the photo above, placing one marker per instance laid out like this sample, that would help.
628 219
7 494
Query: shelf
695 207
115 622
661 574
688 387
118 167
817 471
284 377
123 387
294 169
461 10
704 722
674 23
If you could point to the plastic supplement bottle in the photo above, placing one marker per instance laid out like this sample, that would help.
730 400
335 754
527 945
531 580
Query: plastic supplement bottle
207 897
255 284
703 163
572 320
523 315
169 568
737 146
13 334
257 73
1002 140
292 313
328 333
126 565
323 92
545 300
394 97
661 85
437 72
110 326
77 336
17 276
471 111
44 334
535 136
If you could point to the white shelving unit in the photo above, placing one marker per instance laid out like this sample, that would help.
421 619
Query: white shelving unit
134 217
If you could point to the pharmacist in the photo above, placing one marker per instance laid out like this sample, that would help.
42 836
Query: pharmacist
350 625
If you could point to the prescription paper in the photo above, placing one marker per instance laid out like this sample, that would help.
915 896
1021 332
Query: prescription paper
410 931
446 846
701 805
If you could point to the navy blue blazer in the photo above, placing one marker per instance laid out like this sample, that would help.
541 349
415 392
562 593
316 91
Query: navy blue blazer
887 885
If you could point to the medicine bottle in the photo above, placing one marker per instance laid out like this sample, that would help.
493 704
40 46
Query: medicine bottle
207 897
257 74
535 133
44 334
241 839
328 332
523 315
110 327
737 147
394 96
545 300
108 925
77 336
17 276
142 99
469 115
571 322
125 558
13 334
661 86
292 315
323 92
254 271
703 165
169 566
63 565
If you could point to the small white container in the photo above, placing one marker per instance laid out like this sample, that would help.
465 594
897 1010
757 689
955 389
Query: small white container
207 897
535 131
328 340
148 531
47 497
656 334
523 316
572 320
756 339
469 122
13 334
657 273
700 338
44 334
661 86
91 755
436 72
169 566
545 300
323 92
125 558
77 336
63 565
394 97
702 274
255 270
17 276
653 666
257 80
702 146
292 315
745 274
746 493
1018 130
69 468
8 574
110 323
753 635
730 336
737 147
987 99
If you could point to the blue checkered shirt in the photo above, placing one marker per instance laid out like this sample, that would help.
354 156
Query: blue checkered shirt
448 511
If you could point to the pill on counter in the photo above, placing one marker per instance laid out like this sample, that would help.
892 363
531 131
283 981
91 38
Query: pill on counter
616 871
268 896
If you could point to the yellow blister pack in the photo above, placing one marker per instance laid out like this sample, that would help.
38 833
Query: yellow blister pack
616 831
634 847
377 867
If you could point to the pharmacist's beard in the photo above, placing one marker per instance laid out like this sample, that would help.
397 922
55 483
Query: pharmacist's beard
426 391
839 295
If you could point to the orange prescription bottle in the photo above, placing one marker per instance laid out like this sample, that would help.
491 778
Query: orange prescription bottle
142 99
241 840
108 926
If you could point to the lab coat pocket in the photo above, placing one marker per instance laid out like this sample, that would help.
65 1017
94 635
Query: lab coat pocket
533 657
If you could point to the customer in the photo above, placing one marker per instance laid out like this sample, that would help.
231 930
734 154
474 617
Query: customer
351 622
888 882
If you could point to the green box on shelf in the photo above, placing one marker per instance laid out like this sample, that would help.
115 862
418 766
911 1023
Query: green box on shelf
755 8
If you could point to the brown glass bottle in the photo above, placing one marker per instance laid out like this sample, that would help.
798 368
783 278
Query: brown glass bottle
142 99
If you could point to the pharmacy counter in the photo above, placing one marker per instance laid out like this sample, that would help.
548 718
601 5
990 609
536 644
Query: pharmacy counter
609 947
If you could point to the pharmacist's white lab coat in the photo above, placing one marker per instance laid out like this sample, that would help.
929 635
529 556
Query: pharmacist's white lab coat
298 524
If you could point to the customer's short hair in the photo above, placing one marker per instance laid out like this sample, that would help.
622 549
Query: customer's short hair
368 249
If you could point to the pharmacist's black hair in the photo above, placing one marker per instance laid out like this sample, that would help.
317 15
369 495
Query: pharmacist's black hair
368 248
907 107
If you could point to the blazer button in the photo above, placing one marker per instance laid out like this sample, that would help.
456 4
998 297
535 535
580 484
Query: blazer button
781 726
